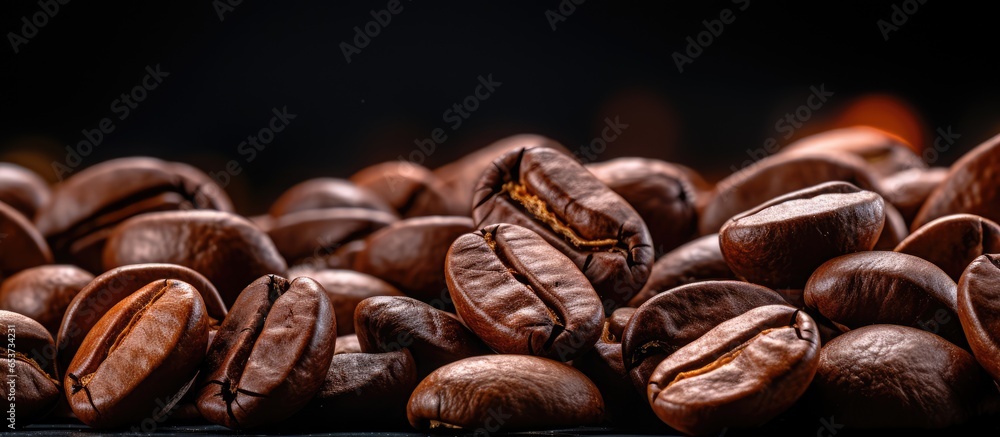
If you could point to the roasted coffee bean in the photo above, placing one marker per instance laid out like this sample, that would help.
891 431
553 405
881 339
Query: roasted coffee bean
31 387
312 237
362 389
411 189
889 376
627 408
434 337
138 356
105 291
979 310
740 374
549 193
908 189
894 231
953 241
678 316
410 254
22 246
43 293
617 322
698 260
869 288
226 248
778 175
346 289
502 393
86 207
522 296
323 193
885 153
660 192
779 243
347 344
22 189
270 355
972 187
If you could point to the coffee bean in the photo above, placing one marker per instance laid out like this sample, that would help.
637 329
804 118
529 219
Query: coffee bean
32 388
323 193
885 153
21 246
43 293
347 344
22 189
312 237
972 187
698 260
953 241
894 231
979 310
411 189
346 289
908 189
617 322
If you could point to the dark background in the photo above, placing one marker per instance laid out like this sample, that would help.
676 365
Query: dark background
606 59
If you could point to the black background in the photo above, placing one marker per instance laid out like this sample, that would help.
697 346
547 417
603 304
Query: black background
606 59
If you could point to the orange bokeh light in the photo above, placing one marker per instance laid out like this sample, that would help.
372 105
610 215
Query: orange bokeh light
886 112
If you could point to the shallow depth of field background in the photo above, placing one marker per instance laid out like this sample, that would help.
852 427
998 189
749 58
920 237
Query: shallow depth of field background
564 70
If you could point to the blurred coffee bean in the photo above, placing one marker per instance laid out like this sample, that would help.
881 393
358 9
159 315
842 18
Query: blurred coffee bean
908 189
971 187
22 189
323 193
894 231
21 246
346 289
952 242
312 237
347 344
411 189
31 386
698 260
885 153
43 293
617 322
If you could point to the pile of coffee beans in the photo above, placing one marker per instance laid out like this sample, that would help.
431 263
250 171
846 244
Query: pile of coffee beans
840 284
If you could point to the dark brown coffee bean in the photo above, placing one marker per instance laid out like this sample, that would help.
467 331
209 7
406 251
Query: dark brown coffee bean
953 241
30 387
22 246
411 189
678 316
502 393
549 193
617 322
908 189
627 408
698 260
143 351
346 289
778 175
347 344
270 355
361 390
972 187
86 207
888 376
323 193
884 152
410 254
979 310
522 296
43 293
779 243
660 192
22 189
434 337
869 288
105 291
894 231
226 248
740 374
312 237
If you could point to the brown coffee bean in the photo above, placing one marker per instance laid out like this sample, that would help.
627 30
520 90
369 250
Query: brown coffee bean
953 241
105 291
411 189
549 193
312 237
908 189
740 374
434 337
972 187
779 243
346 289
617 322
885 153
869 288
522 296
979 310
503 393
660 192
226 248
888 376
87 206
270 355
894 231
143 351
347 344
778 175
410 254
22 189
22 246
698 260
43 293
323 193
678 316
31 387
